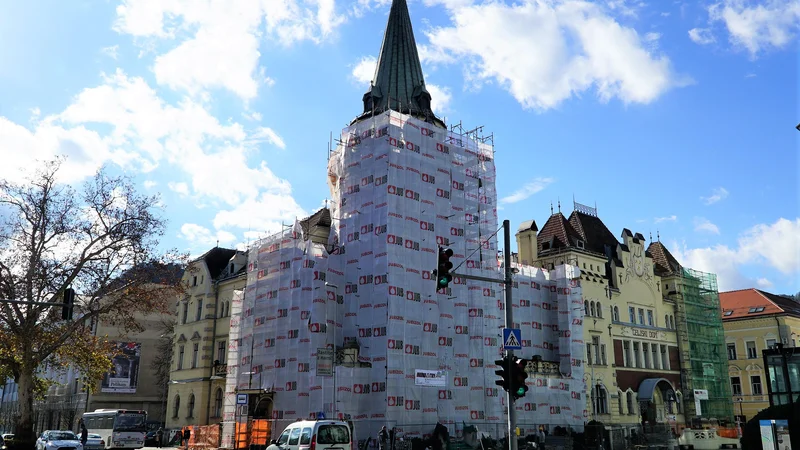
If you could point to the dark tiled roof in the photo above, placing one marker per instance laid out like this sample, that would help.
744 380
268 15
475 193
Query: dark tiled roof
595 234
665 263
217 259
321 218
399 84
558 232
739 304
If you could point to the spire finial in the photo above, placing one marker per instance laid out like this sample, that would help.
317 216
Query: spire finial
658 235
551 208
651 236
559 205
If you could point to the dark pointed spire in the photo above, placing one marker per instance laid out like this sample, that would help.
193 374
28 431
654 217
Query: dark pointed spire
398 83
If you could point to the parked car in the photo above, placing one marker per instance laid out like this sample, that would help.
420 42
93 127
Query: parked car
150 439
315 435
8 439
55 440
95 442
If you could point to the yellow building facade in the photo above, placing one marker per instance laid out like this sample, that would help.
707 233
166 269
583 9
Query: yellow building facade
199 362
633 356
755 320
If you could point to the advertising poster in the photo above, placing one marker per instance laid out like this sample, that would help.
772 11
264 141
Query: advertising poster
430 378
124 375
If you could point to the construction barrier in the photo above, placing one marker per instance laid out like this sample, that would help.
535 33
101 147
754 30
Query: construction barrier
256 432
204 437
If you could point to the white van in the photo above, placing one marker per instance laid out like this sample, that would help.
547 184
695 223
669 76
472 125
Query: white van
314 435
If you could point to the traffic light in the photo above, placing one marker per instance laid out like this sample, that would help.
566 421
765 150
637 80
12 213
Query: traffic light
69 301
519 375
443 268
503 373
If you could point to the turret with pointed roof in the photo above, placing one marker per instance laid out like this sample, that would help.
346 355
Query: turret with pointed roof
398 83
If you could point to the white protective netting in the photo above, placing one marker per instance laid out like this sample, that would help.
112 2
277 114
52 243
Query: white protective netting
400 189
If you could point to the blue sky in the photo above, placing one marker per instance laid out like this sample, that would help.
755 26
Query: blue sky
673 117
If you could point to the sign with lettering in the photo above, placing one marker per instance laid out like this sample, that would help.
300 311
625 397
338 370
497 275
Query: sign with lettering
645 333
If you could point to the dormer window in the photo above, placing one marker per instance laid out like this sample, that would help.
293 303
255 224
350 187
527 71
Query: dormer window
579 243
727 313
545 246
231 267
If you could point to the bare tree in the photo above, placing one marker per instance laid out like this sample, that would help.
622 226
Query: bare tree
162 363
102 241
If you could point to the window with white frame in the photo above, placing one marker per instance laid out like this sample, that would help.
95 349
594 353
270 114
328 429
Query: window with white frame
752 353
631 403
650 318
596 349
771 343
664 358
755 385
616 314
654 353
731 351
603 354
601 401
221 352
181 350
199 314
195 352
588 353
637 356
641 316
632 314
736 386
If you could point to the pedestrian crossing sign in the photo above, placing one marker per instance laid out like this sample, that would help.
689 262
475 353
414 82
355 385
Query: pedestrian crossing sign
512 338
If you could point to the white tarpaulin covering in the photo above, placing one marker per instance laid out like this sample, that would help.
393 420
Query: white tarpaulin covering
401 188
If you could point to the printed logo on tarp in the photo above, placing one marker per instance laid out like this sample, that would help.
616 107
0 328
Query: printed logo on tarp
380 229
378 331
575 395
564 333
412 405
576 362
365 279
462 329
529 406
294 284
476 362
445 341
526 343
488 292
365 332
408 145
457 185
270 342
445 394
303 367
490 341
491 392
455 231
442 148
351 288
378 387
284 265
476 312
426 226
258 321
291 385
293 334
441 193
428 178
395 344
428 327
477 415
366 229
555 410
369 179
277 415
318 327
283 312
411 349
461 381
523 303
577 321
413 296
309 264
380 279
351 237
279 363
441 240
361 389
395 401
380 181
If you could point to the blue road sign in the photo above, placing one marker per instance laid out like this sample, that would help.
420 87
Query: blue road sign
512 339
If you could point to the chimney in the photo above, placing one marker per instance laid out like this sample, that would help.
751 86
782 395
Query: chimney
527 245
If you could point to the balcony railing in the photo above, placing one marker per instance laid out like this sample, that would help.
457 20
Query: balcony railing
221 370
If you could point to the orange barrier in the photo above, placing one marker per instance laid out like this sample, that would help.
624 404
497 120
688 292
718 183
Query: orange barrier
204 437
728 433
254 432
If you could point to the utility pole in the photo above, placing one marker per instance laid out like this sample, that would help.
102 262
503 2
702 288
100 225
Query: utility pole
512 412
509 301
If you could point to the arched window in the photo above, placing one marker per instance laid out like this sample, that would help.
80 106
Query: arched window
672 322
666 320
218 403
601 400
191 406
616 314
591 308
586 305
176 407
599 311
631 404
619 404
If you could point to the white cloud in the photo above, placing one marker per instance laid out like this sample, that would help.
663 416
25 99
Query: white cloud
671 218
440 97
560 50
701 36
533 187
652 36
179 188
150 184
221 50
364 70
703 224
111 52
268 135
764 283
776 246
199 236
717 194
758 26
263 213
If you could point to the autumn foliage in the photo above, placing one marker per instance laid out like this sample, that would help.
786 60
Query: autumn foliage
101 240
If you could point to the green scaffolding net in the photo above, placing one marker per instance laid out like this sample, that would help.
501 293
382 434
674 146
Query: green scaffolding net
702 341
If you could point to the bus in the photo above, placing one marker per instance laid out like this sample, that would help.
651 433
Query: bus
118 428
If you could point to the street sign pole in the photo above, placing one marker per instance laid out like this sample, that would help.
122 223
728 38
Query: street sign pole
512 413
509 301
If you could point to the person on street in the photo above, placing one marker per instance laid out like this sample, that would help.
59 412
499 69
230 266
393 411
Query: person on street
383 438
159 437
187 433
84 434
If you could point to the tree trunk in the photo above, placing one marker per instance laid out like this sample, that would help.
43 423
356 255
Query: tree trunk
24 437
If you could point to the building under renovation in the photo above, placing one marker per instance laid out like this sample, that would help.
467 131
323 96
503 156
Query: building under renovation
340 316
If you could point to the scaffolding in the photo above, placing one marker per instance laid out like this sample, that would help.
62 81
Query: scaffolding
702 342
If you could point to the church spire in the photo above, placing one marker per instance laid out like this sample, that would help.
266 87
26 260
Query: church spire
398 83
